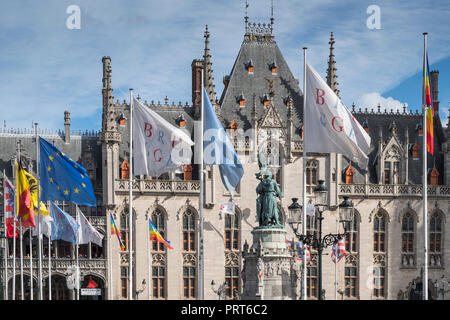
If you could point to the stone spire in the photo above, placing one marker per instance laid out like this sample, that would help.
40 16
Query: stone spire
331 71
108 120
208 75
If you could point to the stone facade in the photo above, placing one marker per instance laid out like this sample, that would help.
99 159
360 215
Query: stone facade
383 196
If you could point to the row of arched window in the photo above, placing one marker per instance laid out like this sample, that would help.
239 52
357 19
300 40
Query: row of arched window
380 231
189 228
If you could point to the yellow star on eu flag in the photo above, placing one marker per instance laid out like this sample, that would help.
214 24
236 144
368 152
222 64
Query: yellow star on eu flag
51 158
49 168
66 192
84 186
76 190
50 179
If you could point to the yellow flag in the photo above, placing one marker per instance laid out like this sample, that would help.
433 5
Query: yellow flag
34 197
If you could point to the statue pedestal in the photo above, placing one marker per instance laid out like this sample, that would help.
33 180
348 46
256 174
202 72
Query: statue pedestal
270 271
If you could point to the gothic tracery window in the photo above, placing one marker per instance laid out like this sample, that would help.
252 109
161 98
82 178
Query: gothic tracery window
379 255
436 240
189 254
408 239
351 279
232 255
159 256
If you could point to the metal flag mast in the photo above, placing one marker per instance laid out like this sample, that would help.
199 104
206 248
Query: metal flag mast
304 274
200 202
31 262
110 261
6 250
425 167
77 278
149 261
49 264
130 208
16 208
20 236
38 172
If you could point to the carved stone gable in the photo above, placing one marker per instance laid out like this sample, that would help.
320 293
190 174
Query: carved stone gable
271 118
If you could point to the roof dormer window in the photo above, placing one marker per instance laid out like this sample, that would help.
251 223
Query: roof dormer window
273 67
250 67
241 99
265 100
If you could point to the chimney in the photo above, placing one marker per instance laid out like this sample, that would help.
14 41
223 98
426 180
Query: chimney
66 126
197 66
434 75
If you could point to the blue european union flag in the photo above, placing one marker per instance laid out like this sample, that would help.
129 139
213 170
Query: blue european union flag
218 149
64 227
63 179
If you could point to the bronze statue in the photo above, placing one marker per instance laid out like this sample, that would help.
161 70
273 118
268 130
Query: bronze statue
268 191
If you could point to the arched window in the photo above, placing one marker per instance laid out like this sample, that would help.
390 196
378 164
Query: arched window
351 237
232 230
126 238
189 231
379 233
312 170
312 269
408 239
159 223
159 257
436 240
232 254
351 260
379 258
189 254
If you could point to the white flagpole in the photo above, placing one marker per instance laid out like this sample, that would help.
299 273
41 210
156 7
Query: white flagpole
305 271
149 262
21 261
39 212
425 173
130 209
49 269
6 252
16 213
31 263
110 262
77 279
200 202
335 265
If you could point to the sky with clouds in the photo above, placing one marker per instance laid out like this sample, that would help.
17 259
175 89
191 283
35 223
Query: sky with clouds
47 68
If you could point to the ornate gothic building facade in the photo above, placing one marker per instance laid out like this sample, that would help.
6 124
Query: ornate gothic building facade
384 246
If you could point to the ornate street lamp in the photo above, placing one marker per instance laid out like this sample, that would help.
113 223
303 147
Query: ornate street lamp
295 213
346 214
320 194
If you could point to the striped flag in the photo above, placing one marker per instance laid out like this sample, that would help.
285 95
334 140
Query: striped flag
300 248
25 202
8 188
155 235
338 250
427 100
116 231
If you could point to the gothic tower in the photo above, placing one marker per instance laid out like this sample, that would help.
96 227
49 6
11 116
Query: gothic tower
331 71
110 137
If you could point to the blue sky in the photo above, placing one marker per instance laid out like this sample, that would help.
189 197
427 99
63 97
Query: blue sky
47 68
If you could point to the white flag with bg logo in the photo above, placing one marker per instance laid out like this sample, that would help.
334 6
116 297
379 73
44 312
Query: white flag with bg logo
329 125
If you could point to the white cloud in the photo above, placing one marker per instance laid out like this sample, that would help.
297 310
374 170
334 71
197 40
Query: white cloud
373 99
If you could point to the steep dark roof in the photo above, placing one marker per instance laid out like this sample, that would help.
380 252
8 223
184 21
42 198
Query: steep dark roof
403 121
262 53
